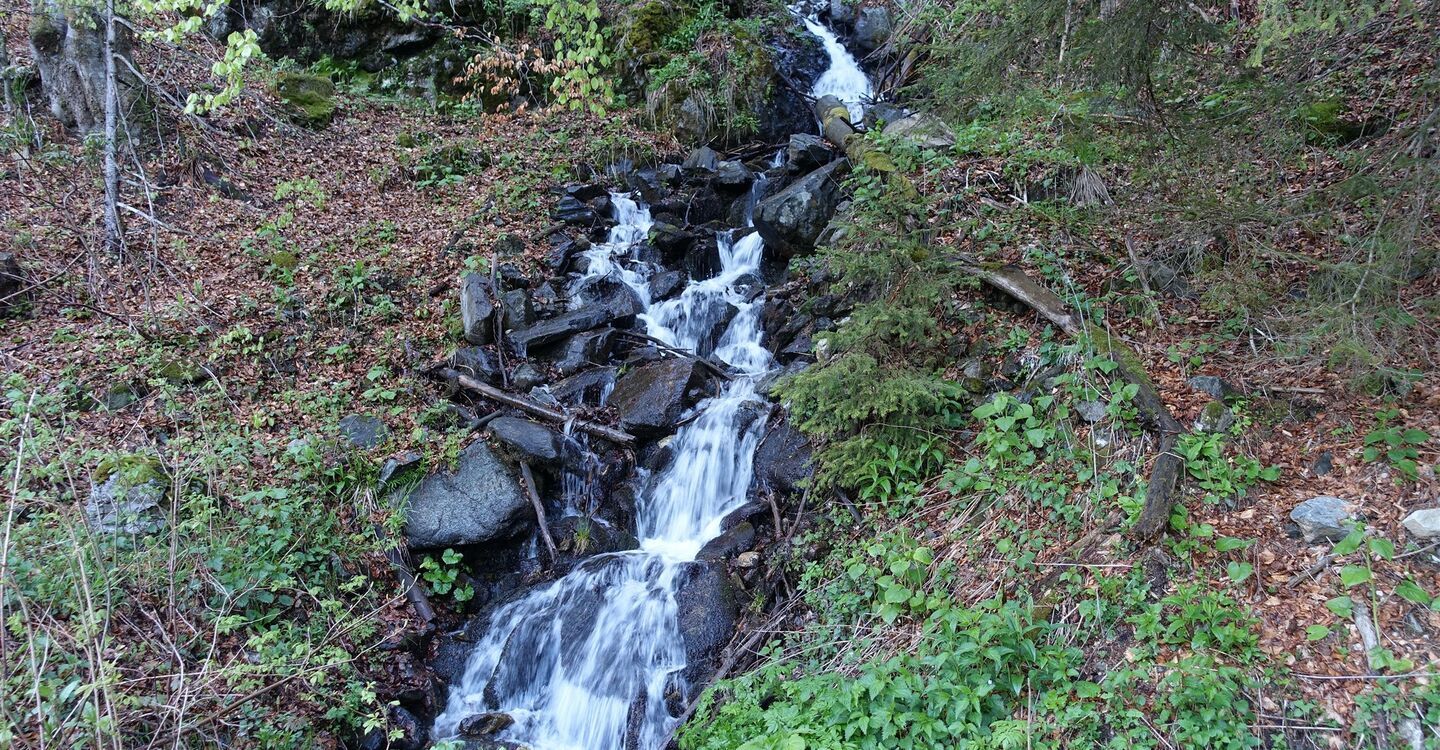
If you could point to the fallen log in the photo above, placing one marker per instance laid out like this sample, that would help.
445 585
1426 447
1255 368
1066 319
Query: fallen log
520 402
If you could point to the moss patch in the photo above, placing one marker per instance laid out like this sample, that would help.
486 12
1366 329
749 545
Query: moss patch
309 99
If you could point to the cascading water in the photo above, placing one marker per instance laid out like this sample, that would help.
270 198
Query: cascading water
843 79
573 661
588 662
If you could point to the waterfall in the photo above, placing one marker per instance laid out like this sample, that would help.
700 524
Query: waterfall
844 79
584 661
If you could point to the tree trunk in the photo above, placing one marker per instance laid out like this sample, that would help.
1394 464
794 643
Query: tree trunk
69 50
114 231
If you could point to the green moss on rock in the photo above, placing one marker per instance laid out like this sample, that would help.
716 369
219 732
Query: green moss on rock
309 98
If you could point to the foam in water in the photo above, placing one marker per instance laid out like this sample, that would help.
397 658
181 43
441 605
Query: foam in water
844 79
589 659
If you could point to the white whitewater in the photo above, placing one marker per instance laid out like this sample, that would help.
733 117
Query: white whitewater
844 79
584 661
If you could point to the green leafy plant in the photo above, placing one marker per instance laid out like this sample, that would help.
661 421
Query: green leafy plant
441 574
1395 444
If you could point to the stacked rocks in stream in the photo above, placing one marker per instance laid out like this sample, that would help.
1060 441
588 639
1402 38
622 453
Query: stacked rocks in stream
584 353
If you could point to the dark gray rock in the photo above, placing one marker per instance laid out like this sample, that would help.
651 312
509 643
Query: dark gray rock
529 441
842 12
1091 411
707 608
410 729
480 502
519 313
484 725
791 220
575 212
671 239
589 387
619 309
1323 464
807 152
651 398
665 284
733 175
582 350
526 376
477 307
873 26
880 114
545 301
363 430
477 362
703 158
782 460
740 538
12 281
586 191
1323 518
1215 386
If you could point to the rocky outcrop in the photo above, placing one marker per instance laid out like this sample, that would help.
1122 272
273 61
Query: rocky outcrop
481 501
707 609
620 308
791 220
782 459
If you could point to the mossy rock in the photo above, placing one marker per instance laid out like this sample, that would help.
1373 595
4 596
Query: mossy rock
645 29
309 98
1326 124
132 469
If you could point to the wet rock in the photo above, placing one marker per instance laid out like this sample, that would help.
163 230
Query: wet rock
582 350
480 502
782 459
882 113
649 184
477 362
740 538
1215 386
707 608
619 309
1215 418
651 398
546 301
671 239
363 430
565 253
701 259
477 307
574 212
807 152
589 387
873 25
842 12
1423 523
733 175
526 376
1323 518
791 220
665 284
747 560
586 191
581 537
486 724
519 313
530 442
409 727
922 129
703 158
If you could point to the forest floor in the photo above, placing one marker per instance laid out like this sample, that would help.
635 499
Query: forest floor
279 279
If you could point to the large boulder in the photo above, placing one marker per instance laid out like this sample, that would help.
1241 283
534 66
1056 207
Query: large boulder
922 129
791 220
477 308
782 460
707 608
808 151
530 442
651 398
873 26
309 99
618 308
481 501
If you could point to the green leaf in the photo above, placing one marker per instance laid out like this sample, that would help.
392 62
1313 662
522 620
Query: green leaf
1382 548
1087 689
1354 575
1343 606
1411 591
1270 473
1036 436
1316 632
1350 543
897 594
1239 571
1230 544
1415 436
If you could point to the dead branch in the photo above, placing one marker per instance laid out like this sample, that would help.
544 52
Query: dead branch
596 429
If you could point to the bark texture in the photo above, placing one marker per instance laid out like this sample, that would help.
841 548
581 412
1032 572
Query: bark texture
68 46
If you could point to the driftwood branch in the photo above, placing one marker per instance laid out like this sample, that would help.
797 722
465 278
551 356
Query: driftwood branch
529 479
555 415
668 349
